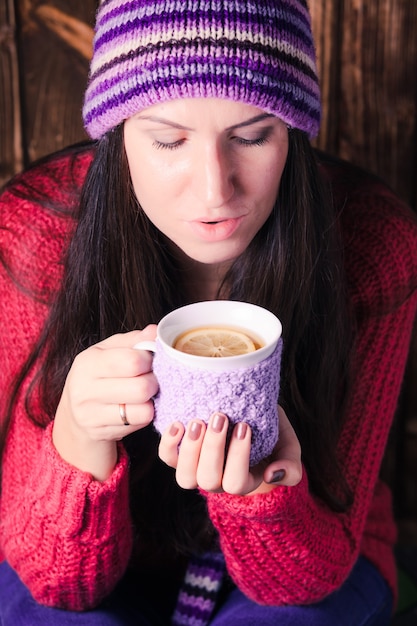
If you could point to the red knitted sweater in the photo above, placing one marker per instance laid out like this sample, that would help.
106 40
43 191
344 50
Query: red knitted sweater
69 537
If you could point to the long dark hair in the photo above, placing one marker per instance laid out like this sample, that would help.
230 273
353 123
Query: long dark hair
293 267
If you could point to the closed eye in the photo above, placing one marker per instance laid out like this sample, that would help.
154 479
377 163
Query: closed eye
258 140
159 145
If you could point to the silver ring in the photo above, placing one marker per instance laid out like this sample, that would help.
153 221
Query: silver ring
122 411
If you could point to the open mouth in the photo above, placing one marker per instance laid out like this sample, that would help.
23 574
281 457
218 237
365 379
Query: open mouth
216 230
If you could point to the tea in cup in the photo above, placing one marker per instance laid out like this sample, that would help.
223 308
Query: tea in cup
217 341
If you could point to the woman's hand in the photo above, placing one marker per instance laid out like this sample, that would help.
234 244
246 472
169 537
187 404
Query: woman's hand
88 421
201 459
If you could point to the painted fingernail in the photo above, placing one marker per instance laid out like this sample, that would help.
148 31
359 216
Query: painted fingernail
277 476
218 422
194 431
241 430
173 430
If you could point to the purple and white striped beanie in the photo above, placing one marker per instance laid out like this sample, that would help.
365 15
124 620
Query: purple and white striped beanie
258 52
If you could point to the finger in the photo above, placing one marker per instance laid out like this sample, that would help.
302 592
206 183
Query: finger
237 479
286 473
111 426
211 461
169 442
129 339
189 454
286 467
127 390
116 362
90 403
116 356
288 443
131 415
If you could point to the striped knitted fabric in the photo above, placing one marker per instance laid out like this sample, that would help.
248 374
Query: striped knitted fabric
198 595
150 51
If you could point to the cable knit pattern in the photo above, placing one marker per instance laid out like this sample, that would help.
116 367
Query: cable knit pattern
248 394
69 537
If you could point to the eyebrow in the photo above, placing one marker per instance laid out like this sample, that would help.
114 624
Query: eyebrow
161 120
252 120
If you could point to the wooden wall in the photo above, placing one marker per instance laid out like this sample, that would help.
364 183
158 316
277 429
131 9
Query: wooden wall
367 54
44 54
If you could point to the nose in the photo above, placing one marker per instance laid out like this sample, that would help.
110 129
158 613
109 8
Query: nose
214 180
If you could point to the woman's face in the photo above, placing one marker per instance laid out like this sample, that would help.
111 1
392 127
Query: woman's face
206 172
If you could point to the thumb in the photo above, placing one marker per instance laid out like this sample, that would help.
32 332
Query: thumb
285 467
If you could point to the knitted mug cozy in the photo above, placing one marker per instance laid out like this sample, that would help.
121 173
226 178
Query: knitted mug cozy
150 51
245 394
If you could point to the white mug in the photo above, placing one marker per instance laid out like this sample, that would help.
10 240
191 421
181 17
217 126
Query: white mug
244 387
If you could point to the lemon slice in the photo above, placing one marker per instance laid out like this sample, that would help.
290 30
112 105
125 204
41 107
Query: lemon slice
214 342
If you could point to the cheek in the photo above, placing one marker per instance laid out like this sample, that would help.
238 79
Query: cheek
146 182
156 195
147 173
267 186
157 182
274 176
266 174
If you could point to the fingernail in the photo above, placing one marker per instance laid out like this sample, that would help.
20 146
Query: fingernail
194 431
277 476
240 431
218 422
173 430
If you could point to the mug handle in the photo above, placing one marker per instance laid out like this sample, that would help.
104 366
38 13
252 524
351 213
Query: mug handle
150 346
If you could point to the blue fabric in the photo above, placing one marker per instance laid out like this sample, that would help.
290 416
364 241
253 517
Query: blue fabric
126 606
363 600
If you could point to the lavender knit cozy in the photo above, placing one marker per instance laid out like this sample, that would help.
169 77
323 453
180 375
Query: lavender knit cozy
247 394
149 51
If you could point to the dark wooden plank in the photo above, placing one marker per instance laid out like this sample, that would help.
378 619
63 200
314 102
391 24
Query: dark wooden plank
56 43
327 24
378 104
11 148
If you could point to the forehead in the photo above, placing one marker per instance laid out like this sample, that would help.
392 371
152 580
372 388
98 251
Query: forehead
199 112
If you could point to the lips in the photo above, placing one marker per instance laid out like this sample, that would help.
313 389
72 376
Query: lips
215 230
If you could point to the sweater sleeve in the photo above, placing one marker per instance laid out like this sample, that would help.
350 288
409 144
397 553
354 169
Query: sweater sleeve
67 536
287 547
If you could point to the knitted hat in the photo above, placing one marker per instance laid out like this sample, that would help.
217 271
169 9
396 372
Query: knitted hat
258 52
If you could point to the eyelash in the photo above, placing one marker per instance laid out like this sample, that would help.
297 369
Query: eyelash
167 146
247 143
259 141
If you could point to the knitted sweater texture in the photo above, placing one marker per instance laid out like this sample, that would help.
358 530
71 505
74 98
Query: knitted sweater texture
69 537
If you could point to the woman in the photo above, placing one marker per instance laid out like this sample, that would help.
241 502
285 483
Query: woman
202 185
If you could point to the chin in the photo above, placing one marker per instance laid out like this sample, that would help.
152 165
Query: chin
224 253
213 259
